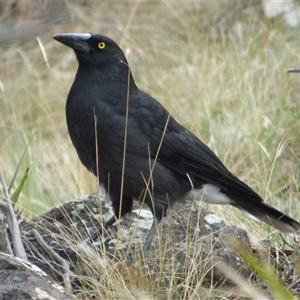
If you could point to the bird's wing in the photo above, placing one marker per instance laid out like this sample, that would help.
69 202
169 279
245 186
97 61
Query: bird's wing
185 153
180 150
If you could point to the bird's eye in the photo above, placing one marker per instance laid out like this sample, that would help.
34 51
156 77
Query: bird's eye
101 45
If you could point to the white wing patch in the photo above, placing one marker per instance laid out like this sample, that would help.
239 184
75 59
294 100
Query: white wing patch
210 194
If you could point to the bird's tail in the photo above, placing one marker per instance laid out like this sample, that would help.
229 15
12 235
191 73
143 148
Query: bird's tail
271 216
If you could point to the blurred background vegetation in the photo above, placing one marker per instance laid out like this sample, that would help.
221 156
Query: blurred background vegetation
219 67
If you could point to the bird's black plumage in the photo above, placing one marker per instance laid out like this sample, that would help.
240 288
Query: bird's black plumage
138 151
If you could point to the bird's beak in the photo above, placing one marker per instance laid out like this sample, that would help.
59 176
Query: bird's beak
293 70
76 41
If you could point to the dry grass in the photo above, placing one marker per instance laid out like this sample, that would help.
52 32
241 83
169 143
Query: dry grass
229 87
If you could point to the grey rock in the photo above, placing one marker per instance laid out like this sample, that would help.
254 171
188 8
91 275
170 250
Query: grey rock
189 237
21 280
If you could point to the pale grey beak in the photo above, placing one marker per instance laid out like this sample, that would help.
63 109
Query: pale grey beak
76 41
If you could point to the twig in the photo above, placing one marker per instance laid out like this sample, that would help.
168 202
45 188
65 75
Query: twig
13 223
35 255
4 207
9 249
63 263
7 246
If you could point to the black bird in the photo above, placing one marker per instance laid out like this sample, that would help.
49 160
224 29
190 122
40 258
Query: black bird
137 149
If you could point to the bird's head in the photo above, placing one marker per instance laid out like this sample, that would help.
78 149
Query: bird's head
94 50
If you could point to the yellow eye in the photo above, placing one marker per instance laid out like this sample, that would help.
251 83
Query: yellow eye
101 45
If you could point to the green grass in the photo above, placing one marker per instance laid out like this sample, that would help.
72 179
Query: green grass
231 90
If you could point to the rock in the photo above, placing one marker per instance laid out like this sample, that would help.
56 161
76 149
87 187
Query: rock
21 280
189 237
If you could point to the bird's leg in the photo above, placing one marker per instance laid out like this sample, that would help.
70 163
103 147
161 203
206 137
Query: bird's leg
151 233
94 236
119 212
110 222
159 210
